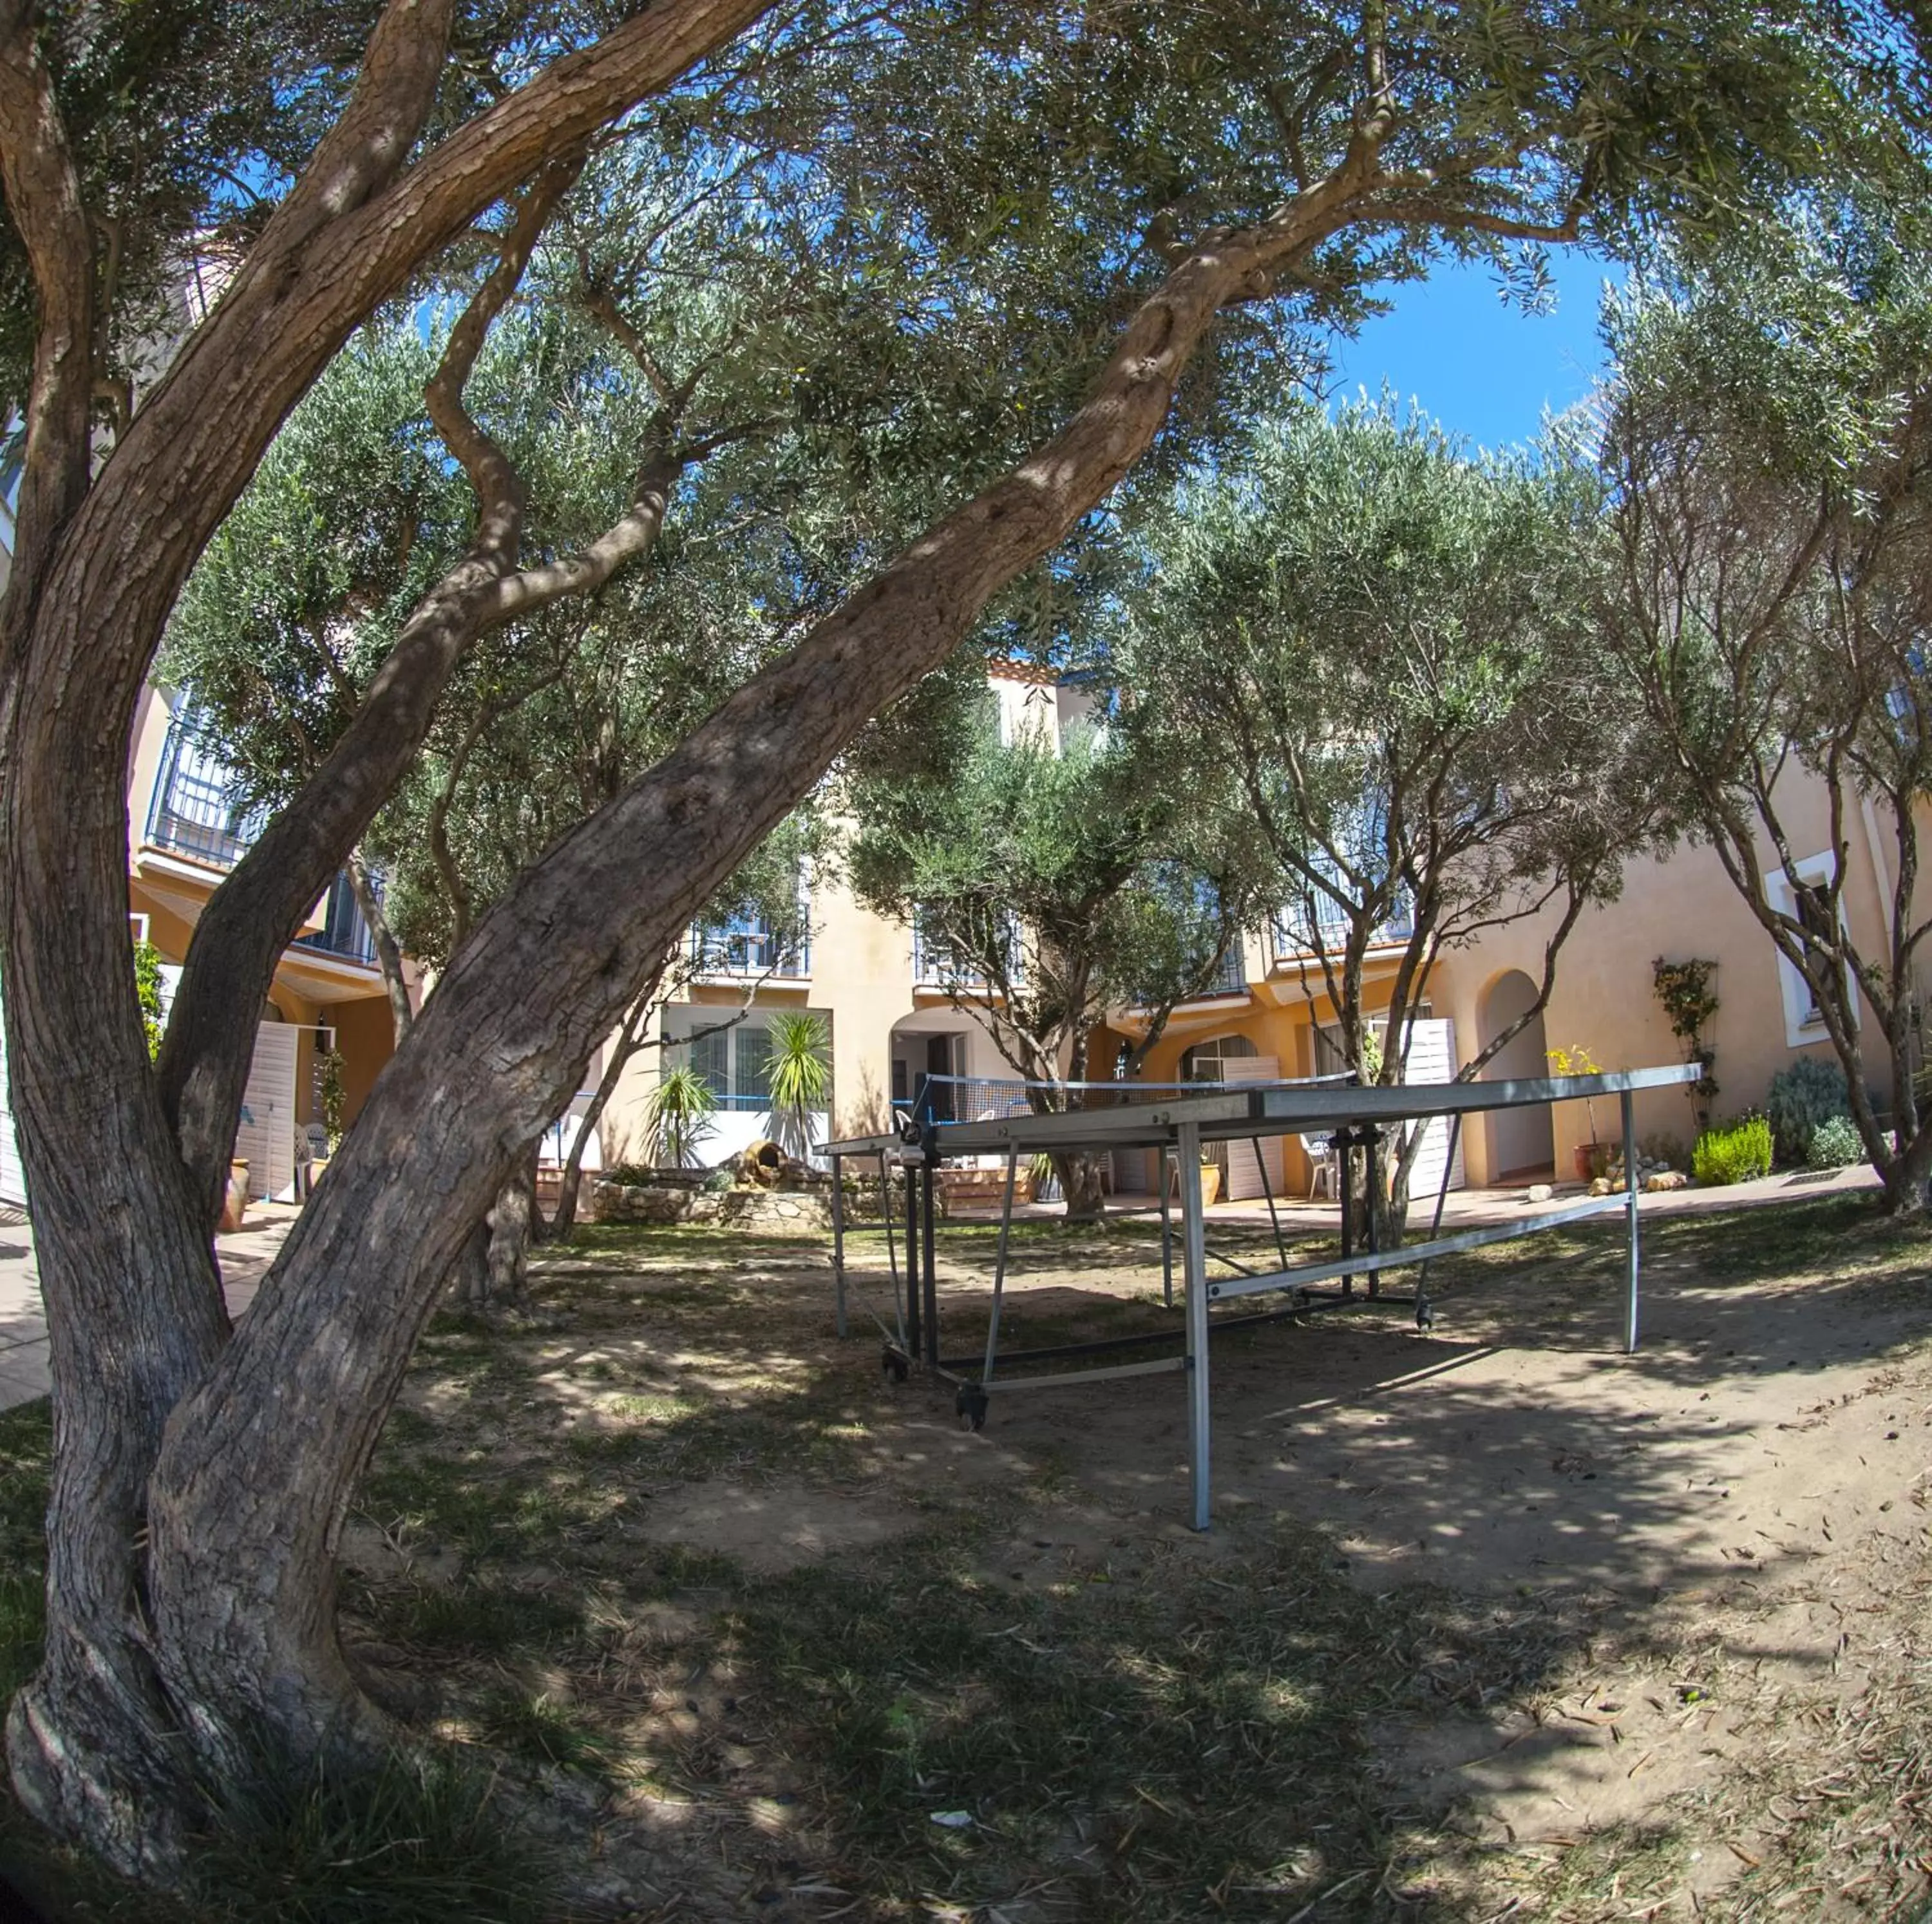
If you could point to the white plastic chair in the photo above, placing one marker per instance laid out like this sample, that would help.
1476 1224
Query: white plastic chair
1325 1167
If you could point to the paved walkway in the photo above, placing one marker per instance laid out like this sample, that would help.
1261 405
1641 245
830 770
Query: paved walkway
245 1256
1471 1209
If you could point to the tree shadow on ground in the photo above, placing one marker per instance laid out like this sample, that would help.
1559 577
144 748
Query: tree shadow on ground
1114 1719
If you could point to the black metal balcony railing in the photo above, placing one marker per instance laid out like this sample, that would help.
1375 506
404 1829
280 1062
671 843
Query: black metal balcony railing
937 964
343 932
1291 936
750 948
1231 979
934 961
196 810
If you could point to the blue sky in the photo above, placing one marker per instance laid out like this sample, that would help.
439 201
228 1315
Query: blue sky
1484 369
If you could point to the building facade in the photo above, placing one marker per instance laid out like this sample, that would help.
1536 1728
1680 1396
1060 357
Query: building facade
892 1022
187 827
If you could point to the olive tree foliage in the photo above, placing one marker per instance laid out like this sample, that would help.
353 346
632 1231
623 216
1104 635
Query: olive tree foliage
1128 202
291 610
1764 451
1384 635
1053 875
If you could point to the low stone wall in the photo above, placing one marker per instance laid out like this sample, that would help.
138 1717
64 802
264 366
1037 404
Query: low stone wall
773 1211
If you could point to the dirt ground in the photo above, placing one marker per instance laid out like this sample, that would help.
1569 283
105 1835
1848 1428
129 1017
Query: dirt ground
1755 1479
1573 1636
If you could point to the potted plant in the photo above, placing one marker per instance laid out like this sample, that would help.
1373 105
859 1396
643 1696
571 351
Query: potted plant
1590 1158
678 1117
1210 1178
801 1075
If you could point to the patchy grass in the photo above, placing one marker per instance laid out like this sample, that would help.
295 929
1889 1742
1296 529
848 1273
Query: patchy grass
1145 1737
422 1838
1117 1721
26 1447
480 1619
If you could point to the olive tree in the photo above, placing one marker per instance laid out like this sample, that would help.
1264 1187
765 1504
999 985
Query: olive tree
1055 879
1386 636
1135 199
1763 456
291 610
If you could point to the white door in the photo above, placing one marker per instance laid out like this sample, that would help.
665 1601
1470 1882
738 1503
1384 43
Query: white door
1431 1058
13 1176
1244 1171
266 1138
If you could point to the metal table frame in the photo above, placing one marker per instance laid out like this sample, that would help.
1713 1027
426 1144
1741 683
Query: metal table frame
1177 1128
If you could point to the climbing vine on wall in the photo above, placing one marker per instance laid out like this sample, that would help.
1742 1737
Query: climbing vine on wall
1689 999
333 1094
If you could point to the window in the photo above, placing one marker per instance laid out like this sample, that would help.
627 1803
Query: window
1804 1021
1328 1057
198 807
735 1063
749 946
1816 921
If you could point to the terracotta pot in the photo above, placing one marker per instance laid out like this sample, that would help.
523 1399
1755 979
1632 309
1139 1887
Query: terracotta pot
1583 1154
1210 1183
235 1204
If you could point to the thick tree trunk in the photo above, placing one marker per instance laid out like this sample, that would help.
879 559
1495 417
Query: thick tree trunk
467 1286
134 1306
109 1742
1080 1183
212 1641
1392 1202
511 1216
492 1268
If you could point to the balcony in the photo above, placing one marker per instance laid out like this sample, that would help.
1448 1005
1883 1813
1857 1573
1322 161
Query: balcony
749 947
343 932
1291 938
936 965
1231 979
197 811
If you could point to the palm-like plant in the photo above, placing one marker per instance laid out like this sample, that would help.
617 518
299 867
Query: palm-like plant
801 1074
678 1117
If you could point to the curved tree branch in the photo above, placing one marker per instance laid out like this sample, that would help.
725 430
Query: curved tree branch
43 198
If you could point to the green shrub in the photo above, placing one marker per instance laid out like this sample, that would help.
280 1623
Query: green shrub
1733 1152
1803 1094
1834 1143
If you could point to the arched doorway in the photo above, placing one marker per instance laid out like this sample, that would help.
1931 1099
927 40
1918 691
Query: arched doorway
1521 1144
1206 1062
1233 1058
